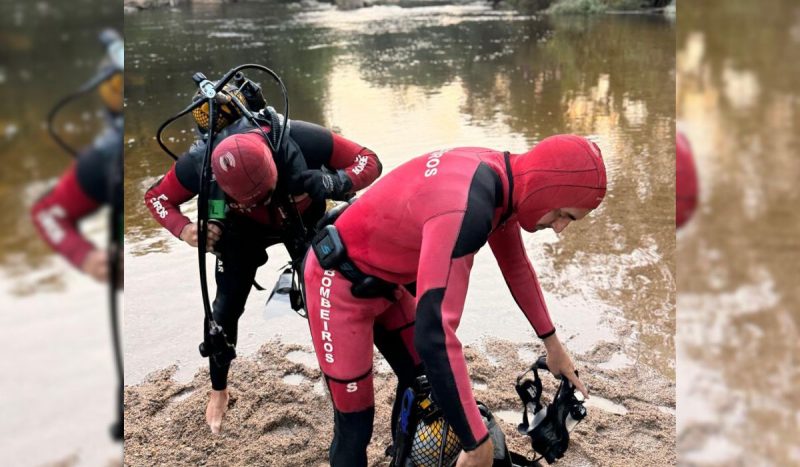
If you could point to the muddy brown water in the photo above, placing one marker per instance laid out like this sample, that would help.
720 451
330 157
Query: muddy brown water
407 80
738 299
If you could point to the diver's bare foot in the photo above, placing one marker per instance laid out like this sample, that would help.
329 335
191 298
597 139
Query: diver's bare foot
215 411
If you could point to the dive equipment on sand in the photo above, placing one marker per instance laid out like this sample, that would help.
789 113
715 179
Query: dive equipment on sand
548 426
423 437
284 284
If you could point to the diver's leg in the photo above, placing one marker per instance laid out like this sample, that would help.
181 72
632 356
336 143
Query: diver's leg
234 272
341 330
394 338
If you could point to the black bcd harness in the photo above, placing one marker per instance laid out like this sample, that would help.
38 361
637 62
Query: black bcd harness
548 426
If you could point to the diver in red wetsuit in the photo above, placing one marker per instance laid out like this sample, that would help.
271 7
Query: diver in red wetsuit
417 230
93 180
685 181
261 191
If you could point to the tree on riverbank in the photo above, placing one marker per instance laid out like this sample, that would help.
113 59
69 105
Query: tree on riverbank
586 6
131 5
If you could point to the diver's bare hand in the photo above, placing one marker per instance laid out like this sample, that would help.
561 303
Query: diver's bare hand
482 456
189 235
559 363
96 265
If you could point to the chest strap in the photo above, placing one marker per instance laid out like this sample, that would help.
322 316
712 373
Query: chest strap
510 207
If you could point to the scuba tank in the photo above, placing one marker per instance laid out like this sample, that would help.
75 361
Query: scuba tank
423 437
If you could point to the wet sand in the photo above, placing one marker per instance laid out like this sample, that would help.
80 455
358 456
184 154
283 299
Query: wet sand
280 414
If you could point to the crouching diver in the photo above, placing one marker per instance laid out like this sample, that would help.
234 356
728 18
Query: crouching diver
271 179
93 180
436 212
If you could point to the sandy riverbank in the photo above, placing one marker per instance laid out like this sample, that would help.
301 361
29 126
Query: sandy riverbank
280 413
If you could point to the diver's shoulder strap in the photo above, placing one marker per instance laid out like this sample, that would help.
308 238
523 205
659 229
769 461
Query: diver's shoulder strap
530 393
510 206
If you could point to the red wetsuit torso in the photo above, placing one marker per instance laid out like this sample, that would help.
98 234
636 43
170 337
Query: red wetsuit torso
423 223
406 228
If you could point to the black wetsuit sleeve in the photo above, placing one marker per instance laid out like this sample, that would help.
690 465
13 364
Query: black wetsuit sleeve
449 243
189 166
95 165
315 142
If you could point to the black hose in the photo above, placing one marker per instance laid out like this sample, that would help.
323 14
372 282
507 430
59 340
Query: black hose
114 251
89 86
445 432
202 217
169 121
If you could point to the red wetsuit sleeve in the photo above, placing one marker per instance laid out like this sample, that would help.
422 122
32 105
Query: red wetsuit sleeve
359 163
56 216
509 250
164 198
442 287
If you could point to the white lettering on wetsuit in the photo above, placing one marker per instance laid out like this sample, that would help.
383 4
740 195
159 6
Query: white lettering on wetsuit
160 209
325 314
433 161
49 220
362 163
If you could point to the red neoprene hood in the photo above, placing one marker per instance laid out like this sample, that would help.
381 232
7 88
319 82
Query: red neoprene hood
562 171
244 168
685 181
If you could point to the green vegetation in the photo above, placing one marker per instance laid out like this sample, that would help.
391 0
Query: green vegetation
600 6
577 7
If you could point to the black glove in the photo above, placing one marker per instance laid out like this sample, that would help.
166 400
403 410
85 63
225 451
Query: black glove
322 185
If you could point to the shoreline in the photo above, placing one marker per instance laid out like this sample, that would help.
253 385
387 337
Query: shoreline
280 410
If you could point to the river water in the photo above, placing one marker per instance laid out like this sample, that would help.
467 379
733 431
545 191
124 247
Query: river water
404 80
738 103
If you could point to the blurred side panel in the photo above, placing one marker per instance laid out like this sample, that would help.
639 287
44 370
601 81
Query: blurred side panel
58 389
738 256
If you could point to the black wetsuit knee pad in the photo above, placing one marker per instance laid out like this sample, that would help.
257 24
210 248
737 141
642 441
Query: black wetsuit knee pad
351 435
